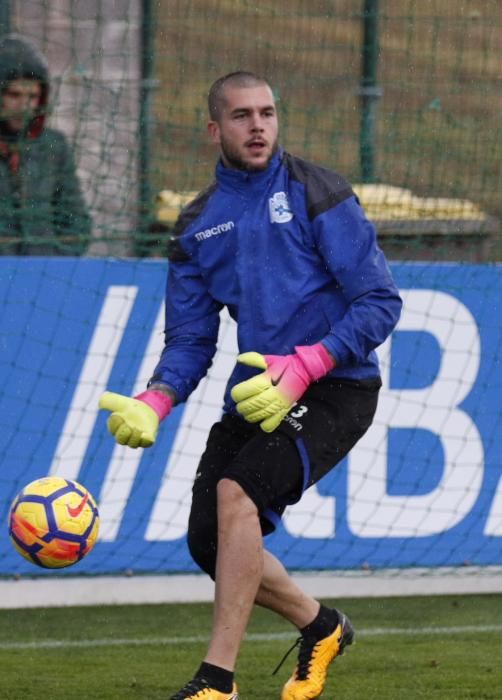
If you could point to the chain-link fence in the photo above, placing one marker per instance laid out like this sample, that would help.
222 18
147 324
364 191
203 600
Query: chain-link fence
402 95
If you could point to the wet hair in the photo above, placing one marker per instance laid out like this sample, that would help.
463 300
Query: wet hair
237 79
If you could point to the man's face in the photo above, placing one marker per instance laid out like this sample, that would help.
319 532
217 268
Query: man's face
247 129
19 102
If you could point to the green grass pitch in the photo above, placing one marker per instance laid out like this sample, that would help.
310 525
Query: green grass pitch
444 647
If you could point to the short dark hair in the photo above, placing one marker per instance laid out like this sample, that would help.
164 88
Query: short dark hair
238 79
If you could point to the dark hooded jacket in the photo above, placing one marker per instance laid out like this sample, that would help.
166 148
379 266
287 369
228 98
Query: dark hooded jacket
42 210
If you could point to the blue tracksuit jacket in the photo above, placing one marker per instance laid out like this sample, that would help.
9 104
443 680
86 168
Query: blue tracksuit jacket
290 253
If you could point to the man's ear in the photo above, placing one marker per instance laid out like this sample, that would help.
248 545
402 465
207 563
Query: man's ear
213 129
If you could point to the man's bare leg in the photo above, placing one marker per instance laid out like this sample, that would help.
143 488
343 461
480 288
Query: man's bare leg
278 592
248 574
239 570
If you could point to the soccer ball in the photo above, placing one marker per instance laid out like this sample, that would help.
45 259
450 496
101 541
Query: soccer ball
54 522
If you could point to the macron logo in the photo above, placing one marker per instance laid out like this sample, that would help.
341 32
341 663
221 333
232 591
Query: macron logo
214 231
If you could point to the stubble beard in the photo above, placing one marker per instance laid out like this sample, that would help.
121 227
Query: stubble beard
233 159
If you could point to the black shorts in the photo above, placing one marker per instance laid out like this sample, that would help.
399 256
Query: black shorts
274 469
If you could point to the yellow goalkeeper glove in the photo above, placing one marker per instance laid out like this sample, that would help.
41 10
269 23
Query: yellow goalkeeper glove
135 421
269 396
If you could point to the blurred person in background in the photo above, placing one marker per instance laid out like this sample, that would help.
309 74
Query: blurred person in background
286 247
42 210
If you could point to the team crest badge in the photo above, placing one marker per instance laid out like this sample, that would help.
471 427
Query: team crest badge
280 212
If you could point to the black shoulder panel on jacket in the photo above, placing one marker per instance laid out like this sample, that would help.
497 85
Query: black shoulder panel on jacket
324 188
175 252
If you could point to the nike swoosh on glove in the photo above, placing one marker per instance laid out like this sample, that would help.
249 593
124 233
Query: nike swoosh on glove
269 396
135 421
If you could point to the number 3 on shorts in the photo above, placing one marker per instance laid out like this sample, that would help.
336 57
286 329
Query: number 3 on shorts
300 411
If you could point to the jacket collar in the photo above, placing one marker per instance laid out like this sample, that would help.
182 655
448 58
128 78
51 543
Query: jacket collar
243 180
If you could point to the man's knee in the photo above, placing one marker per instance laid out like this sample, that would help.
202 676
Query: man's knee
233 501
202 536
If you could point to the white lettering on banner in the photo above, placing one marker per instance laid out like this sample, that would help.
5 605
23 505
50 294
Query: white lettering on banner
124 463
93 380
313 517
371 511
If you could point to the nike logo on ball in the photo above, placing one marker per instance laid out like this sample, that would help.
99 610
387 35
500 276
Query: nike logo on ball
75 512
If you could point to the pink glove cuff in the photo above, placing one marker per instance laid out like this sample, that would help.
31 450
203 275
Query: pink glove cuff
316 359
161 403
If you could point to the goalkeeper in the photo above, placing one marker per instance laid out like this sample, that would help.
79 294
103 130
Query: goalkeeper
286 247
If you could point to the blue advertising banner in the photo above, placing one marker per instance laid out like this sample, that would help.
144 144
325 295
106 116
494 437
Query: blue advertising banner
422 488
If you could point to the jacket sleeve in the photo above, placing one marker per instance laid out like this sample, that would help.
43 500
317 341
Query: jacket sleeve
191 331
348 245
72 222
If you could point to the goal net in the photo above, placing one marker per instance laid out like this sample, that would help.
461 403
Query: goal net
419 136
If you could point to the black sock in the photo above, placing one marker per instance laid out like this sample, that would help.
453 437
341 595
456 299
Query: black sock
323 625
217 677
